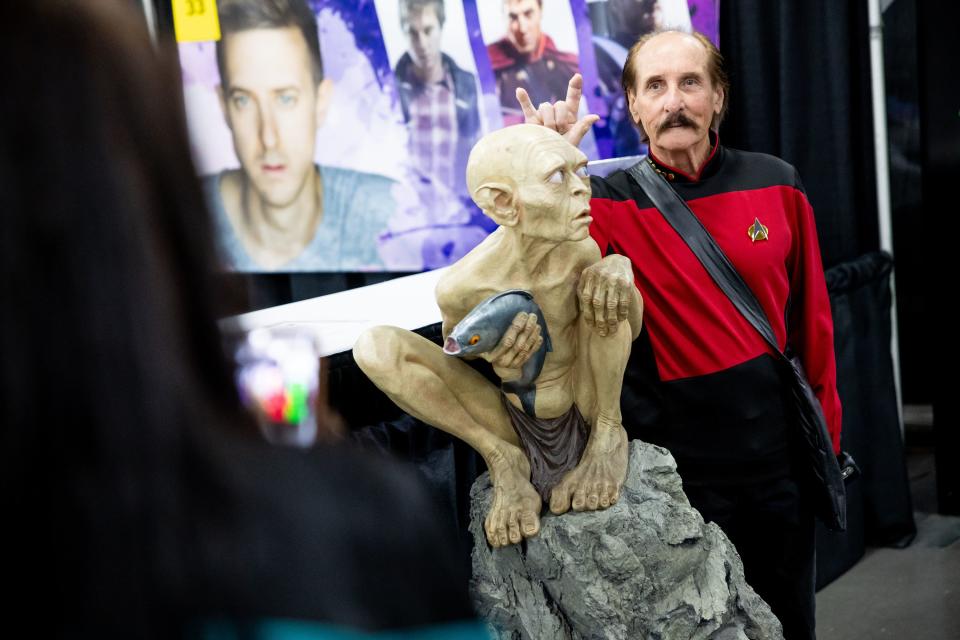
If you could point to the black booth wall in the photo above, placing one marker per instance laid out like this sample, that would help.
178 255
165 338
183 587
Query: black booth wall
800 81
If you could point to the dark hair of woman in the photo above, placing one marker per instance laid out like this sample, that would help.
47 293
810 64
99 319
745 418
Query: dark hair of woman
136 494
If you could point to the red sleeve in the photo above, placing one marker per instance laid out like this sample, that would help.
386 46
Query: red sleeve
499 54
810 323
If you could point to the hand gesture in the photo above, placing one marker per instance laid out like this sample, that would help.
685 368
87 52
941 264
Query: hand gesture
561 116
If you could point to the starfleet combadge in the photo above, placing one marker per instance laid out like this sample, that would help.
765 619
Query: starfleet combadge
757 231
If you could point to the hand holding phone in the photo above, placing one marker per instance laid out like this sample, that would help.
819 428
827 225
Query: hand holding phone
278 379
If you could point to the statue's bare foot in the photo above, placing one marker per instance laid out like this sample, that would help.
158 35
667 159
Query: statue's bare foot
595 482
515 512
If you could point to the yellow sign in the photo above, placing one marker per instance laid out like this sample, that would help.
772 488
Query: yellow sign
196 20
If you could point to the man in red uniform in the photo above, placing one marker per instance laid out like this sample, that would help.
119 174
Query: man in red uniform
704 383
527 57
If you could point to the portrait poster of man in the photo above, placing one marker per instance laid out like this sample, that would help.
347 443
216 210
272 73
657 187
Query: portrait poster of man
286 111
538 45
447 103
531 44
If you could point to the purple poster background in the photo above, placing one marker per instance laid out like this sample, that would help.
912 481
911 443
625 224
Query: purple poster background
360 18
588 62
488 83
705 15
430 225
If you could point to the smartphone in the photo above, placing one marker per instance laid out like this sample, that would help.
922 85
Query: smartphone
278 377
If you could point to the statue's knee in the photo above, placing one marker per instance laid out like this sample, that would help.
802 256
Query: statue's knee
377 351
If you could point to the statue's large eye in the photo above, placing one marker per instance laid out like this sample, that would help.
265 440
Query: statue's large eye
556 177
474 340
582 171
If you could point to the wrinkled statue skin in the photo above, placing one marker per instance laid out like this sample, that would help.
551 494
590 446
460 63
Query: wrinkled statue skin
533 183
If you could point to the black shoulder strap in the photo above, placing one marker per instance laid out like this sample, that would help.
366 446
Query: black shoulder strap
711 256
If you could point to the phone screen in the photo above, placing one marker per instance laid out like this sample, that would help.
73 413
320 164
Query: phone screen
278 379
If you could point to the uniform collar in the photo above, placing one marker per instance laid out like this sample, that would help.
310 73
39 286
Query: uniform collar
710 167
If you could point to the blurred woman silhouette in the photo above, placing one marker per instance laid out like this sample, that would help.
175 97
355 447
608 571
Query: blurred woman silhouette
137 498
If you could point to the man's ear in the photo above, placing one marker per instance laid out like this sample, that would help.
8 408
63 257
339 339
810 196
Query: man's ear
718 100
324 93
632 106
499 201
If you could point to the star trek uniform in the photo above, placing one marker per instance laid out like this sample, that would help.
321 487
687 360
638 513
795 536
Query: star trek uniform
702 382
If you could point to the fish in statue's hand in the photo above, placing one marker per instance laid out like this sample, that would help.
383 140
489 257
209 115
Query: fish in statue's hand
481 330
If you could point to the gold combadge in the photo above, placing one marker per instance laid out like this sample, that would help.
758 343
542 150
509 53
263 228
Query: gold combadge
757 231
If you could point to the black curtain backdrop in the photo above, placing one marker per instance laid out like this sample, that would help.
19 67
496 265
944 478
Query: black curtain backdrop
800 90
940 157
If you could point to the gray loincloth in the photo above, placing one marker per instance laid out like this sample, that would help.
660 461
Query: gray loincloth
553 445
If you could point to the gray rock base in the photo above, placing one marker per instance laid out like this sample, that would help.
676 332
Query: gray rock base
647 567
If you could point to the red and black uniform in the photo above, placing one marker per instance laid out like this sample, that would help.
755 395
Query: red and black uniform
544 72
702 381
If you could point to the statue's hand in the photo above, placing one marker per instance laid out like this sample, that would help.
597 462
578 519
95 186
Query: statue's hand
606 292
519 342
561 116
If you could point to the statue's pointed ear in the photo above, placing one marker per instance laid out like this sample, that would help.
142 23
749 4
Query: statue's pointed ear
499 201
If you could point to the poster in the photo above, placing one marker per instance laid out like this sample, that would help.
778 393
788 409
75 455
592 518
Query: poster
332 135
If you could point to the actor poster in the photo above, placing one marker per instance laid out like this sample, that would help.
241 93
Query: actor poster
537 45
444 112
286 111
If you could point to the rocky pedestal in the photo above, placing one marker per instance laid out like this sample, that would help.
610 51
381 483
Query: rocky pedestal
648 567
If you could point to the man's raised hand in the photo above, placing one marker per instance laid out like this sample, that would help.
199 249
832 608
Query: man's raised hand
561 116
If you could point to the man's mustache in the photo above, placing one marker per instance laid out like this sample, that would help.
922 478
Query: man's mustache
675 119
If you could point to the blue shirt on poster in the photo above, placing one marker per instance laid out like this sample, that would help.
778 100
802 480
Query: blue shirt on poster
356 207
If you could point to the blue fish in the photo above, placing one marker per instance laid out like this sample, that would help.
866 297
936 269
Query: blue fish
482 329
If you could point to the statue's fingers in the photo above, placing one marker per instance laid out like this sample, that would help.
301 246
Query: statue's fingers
612 303
513 331
526 339
598 304
625 295
505 346
586 297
